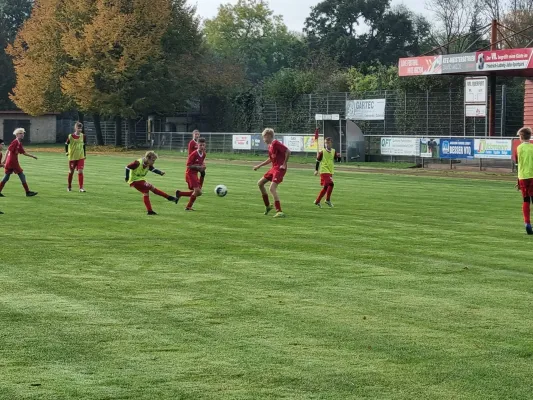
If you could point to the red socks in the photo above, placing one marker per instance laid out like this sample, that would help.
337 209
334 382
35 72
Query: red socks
191 201
80 180
321 195
160 193
266 200
278 206
69 180
526 207
147 203
328 196
25 186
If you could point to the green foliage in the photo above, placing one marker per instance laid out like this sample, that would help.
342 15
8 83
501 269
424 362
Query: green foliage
373 78
249 33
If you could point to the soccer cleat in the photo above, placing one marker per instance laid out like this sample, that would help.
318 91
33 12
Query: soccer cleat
151 212
1 212
1 195
178 195
172 198
268 209
31 194
317 204
69 189
189 209
279 214
330 205
529 229
82 190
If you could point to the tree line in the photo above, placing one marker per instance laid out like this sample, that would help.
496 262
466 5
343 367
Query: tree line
126 59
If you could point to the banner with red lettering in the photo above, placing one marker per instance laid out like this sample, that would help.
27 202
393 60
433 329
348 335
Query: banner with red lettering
415 66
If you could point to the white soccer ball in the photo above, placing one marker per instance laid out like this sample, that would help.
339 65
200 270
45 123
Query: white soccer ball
221 190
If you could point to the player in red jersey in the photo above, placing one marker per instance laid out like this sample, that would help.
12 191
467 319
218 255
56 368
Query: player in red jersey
193 145
278 155
12 165
135 176
1 165
195 164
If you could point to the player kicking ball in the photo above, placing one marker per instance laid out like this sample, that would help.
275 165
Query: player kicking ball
278 155
135 176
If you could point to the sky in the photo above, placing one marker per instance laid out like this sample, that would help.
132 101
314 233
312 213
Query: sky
294 12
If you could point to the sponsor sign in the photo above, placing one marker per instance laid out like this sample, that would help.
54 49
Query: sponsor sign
493 148
475 110
242 142
310 143
508 59
327 117
476 90
257 142
456 148
294 143
366 110
457 63
429 148
415 66
399 146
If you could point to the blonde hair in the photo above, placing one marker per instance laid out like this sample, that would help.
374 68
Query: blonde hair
151 155
525 133
19 130
268 131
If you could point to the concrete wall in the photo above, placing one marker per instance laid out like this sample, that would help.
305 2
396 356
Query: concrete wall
42 129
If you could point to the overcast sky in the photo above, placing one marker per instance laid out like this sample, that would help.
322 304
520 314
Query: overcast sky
294 12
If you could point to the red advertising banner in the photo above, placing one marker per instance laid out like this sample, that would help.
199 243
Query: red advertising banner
509 59
415 66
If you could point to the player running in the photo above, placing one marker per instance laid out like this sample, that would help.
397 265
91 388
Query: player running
325 163
524 154
193 145
195 164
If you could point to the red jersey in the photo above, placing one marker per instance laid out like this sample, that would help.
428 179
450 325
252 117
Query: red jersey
15 148
276 153
193 145
0 158
195 158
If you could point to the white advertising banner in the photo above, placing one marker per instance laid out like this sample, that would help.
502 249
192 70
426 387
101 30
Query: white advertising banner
493 148
294 143
366 110
242 142
399 146
476 110
476 90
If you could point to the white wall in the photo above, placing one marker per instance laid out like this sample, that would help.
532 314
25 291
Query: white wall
42 129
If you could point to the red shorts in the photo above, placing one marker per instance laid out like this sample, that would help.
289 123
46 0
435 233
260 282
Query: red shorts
13 169
326 179
76 164
193 181
275 175
526 186
142 186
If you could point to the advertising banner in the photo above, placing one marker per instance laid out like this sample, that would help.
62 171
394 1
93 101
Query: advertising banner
242 142
507 59
399 146
476 110
457 63
257 143
429 148
456 148
415 66
476 90
366 110
294 143
493 148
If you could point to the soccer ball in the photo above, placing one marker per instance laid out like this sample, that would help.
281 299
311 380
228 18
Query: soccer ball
221 190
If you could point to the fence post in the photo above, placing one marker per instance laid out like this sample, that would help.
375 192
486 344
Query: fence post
427 111
450 102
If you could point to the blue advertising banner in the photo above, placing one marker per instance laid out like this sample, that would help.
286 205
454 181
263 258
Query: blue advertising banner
456 148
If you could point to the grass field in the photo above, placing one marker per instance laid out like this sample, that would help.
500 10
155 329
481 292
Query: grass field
410 288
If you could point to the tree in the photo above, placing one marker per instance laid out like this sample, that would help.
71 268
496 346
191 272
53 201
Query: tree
338 27
13 13
249 33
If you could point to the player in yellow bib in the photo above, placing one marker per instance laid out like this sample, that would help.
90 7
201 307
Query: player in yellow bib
325 163
524 155
75 147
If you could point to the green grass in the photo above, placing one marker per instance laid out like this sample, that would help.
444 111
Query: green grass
410 288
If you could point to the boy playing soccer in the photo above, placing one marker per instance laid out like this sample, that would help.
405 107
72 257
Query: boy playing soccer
325 161
75 149
12 165
278 155
135 176
193 145
524 154
195 164
1 165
